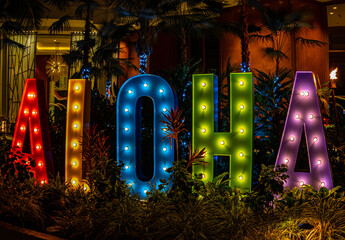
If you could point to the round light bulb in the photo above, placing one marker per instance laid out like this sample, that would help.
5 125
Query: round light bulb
241 154
311 116
323 184
241 83
76 107
306 93
75 125
319 162
126 110
240 178
40 164
126 148
77 87
203 176
146 85
165 168
286 161
38 147
203 130
241 107
222 142
298 116
203 84
161 91
74 163
302 93
35 130
241 130
75 144
164 109
42 182
301 183
203 107
165 149
292 138
145 191
34 112
22 128
26 111
126 129
315 139
127 166
130 91
165 129
74 182
19 144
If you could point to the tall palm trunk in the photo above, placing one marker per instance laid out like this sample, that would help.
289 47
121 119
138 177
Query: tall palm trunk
86 65
244 38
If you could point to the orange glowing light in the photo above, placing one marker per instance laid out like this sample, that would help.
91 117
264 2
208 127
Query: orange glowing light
333 74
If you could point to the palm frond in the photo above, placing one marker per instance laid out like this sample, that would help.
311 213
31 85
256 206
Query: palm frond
60 25
310 42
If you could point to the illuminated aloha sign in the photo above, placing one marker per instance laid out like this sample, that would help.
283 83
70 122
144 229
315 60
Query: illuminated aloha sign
304 115
129 125
78 117
31 135
238 143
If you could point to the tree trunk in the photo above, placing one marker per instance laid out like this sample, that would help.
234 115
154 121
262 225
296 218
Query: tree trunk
244 38
86 66
184 48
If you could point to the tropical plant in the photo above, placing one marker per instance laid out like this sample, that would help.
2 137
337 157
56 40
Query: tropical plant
280 25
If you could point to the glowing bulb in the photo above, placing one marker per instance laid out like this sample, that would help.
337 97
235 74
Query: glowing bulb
74 163
74 182
241 154
203 84
311 116
75 144
306 93
302 93
40 164
43 182
77 88
301 183
126 129
164 109
241 83
26 111
19 144
34 112
298 116
130 91
241 130
203 130
38 147
22 128
145 191
292 138
130 184
76 125
323 184
75 107
146 85
165 129
165 149
286 161
222 142
203 107
126 148
241 107
127 166
161 91
240 178
319 162
31 95
126 110
35 130
315 139
165 168
203 176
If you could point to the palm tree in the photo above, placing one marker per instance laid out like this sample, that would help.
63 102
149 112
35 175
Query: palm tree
194 18
281 25
15 20
145 17
85 10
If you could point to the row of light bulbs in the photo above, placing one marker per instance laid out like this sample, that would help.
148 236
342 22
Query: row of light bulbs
292 138
203 84
203 130
301 183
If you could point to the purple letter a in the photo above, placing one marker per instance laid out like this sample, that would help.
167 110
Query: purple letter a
304 114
